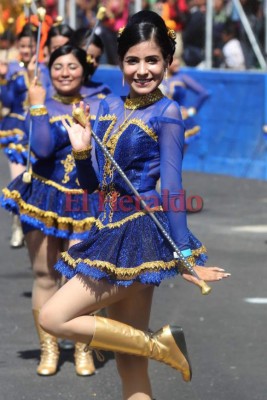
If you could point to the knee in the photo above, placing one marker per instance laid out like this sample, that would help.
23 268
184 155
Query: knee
48 321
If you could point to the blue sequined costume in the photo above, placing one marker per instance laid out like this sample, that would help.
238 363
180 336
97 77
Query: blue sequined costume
146 138
176 87
18 152
13 95
53 202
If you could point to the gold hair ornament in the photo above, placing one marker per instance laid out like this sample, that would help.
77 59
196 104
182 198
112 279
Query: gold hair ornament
171 34
120 31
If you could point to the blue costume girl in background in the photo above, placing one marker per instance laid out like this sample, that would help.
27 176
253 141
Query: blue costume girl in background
54 210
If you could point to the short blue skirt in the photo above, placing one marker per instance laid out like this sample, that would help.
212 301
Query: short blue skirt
132 249
12 129
192 130
44 205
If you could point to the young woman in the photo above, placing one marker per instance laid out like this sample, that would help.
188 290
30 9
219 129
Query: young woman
94 53
53 209
13 95
125 255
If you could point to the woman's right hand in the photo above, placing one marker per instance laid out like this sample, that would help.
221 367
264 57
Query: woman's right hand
80 136
36 93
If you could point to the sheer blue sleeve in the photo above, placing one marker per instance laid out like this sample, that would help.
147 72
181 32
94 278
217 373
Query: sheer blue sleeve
87 172
40 134
171 144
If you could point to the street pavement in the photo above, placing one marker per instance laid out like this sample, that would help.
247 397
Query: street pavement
226 331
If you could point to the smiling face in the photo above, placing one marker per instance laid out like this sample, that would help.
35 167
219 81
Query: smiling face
143 67
27 48
67 75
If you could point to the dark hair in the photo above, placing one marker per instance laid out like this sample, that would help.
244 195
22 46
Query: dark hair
79 53
230 28
59 30
143 26
82 34
29 30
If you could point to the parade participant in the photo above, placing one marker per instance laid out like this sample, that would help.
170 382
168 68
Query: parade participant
14 89
176 86
125 255
53 209
94 52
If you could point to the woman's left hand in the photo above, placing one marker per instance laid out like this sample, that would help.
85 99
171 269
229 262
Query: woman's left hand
207 274
80 136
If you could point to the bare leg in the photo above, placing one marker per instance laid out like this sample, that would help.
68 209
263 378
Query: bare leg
17 237
15 170
44 251
66 314
133 370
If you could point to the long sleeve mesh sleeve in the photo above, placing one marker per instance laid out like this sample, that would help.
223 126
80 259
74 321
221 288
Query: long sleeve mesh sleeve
40 134
171 143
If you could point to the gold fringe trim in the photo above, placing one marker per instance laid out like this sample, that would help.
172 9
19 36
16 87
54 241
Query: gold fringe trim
37 112
49 218
11 132
117 224
191 132
18 147
60 117
18 116
67 117
200 250
120 273
56 185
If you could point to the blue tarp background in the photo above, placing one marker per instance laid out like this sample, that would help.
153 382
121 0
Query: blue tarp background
232 141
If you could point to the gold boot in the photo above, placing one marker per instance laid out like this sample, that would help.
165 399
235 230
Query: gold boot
83 360
167 345
17 237
49 350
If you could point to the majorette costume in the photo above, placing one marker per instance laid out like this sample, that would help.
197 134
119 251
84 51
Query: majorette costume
145 135
53 202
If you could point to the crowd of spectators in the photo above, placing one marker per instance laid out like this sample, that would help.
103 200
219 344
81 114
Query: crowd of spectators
231 46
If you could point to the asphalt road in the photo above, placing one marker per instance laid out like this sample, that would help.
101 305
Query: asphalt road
226 331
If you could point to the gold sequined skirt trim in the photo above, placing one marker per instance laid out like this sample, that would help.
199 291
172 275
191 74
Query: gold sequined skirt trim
48 218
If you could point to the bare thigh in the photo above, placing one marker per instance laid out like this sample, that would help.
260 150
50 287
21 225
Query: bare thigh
82 296
44 251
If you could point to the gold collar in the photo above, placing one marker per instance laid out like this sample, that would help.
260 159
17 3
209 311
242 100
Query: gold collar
68 99
143 101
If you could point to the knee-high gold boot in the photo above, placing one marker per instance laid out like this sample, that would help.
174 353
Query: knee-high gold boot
49 350
83 360
166 345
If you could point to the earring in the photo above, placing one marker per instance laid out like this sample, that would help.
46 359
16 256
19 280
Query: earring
166 74
123 83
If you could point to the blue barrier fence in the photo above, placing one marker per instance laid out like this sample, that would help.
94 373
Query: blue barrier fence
232 141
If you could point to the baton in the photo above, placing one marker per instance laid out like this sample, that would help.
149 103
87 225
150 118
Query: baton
78 114
26 177
99 16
